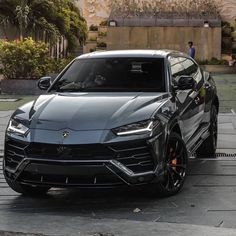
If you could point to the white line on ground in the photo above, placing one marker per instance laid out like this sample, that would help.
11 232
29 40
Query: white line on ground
233 111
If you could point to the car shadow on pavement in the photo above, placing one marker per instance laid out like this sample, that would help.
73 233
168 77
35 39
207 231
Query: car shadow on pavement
97 203
203 193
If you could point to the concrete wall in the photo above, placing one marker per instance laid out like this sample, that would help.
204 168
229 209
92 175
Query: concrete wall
207 41
20 87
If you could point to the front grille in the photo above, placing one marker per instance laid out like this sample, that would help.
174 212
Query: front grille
14 153
69 152
135 155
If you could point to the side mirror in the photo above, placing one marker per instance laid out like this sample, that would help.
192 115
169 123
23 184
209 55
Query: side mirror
44 83
186 82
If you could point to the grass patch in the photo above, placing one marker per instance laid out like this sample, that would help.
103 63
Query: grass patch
13 105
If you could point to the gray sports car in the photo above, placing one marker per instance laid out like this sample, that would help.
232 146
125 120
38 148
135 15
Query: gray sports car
112 119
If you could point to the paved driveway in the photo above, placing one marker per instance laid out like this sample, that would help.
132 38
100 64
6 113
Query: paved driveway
206 206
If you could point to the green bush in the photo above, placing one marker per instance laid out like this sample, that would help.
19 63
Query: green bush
202 62
24 59
93 28
57 65
104 23
102 34
233 35
101 44
213 61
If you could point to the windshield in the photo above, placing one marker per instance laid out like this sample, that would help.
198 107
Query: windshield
113 74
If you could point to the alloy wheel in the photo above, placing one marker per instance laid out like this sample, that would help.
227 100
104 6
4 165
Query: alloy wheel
176 165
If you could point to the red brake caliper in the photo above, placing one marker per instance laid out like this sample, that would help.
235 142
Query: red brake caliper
173 161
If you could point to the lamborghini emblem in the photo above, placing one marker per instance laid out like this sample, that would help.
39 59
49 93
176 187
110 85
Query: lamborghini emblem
65 134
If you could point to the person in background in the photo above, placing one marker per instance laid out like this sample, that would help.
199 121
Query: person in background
192 50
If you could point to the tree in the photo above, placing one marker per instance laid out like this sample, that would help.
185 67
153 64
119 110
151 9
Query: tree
7 15
45 19
22 13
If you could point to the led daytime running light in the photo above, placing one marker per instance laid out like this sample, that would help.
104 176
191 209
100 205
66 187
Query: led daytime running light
149 128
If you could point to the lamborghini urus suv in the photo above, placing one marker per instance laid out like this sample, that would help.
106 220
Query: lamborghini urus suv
113 119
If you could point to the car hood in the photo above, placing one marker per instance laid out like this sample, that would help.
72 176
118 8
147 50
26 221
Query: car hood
90 111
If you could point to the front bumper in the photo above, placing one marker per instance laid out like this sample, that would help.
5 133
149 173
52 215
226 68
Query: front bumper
94 165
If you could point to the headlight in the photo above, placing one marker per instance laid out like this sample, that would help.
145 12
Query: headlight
16 127
142 127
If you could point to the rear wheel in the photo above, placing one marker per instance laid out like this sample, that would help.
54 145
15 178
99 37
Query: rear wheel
27 189
208 147
175 166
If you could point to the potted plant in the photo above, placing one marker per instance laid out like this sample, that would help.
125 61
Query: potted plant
93 28
101 46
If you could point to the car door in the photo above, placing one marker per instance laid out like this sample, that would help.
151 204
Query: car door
188 102
197 106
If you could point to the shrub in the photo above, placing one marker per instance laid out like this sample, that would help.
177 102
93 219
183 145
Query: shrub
93 28
102 34
233 34
213 61
104 23
24 59
101 44
202 62
57 65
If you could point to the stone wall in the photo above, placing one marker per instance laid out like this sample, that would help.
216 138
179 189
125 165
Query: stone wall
95 11
228 10
207 41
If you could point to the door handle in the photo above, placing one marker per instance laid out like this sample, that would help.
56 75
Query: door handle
197 100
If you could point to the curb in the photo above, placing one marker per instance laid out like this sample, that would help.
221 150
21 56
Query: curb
3 233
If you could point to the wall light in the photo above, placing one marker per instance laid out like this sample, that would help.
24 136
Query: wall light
112 23
206 24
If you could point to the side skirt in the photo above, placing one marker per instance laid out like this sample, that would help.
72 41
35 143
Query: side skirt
197 139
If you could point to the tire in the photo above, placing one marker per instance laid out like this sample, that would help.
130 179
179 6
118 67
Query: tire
175 167
208 147
27 190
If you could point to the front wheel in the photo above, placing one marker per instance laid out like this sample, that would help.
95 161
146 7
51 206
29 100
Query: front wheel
175 166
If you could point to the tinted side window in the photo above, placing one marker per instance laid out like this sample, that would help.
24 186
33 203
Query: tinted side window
177 68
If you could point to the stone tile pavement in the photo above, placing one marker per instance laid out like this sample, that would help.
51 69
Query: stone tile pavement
227 133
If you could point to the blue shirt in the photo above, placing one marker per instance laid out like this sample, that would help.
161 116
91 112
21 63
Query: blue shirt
192 52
